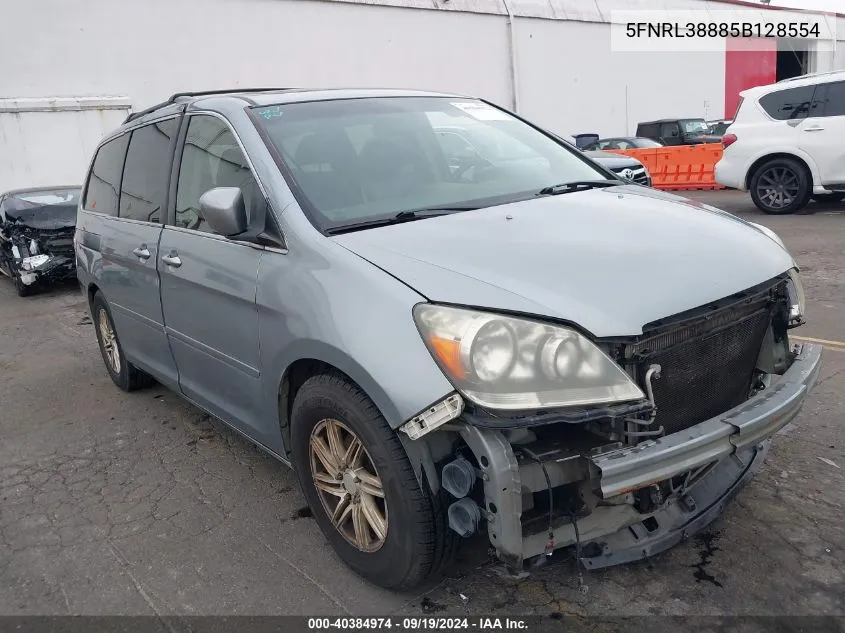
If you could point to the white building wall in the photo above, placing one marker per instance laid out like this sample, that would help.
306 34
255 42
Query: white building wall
568 78
150 49
572 82
49 142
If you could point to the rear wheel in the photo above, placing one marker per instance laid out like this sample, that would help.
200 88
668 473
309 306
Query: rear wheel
122 372
781 186
361 487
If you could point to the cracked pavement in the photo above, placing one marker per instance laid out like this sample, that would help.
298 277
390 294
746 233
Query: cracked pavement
114 503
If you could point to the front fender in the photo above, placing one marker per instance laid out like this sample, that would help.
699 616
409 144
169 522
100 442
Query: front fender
334 307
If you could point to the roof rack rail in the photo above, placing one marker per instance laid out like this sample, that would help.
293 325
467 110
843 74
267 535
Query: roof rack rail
196 93
810 75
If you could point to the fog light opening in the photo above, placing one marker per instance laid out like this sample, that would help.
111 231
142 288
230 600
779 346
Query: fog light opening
464 517
458 477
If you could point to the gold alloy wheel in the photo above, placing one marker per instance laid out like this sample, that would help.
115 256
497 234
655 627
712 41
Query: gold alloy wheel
109 339
348 485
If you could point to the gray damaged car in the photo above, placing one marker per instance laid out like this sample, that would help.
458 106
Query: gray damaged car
443 347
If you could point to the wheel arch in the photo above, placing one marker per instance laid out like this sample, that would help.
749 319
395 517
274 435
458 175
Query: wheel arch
802 158
423 453
90 290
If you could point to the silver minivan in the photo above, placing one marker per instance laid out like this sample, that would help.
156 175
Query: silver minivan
442 345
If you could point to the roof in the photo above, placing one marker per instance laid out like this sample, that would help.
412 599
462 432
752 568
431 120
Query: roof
796 82
13 192
270 96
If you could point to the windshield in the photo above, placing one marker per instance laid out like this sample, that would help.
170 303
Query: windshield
694 126
360 160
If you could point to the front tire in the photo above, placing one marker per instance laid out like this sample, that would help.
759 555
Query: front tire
361 487
781 186
22 289
123 373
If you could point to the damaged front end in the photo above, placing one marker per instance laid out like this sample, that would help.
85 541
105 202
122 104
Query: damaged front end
36 237
626 480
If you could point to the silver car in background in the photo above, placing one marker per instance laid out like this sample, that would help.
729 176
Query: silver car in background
529 348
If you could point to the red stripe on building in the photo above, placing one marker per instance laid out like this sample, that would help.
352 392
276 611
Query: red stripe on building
748 63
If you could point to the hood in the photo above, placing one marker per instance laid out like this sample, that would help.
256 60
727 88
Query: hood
613 161
608 260
51 216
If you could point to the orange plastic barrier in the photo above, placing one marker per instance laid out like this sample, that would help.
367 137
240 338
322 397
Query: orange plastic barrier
679 168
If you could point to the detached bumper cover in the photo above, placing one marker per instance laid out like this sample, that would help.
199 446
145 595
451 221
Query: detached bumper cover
56 268
742 427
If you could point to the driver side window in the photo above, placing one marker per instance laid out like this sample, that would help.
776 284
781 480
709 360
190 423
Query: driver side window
211 158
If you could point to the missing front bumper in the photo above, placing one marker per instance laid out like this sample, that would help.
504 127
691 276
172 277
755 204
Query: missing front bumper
733 444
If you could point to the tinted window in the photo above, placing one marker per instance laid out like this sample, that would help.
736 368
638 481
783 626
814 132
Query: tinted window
145 177
648 131
668 130
834 102
793 103
211 158
101 194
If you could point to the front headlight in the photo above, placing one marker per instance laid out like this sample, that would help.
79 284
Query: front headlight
503 362
769 233
797 300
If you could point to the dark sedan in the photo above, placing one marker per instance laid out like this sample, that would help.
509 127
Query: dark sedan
631 142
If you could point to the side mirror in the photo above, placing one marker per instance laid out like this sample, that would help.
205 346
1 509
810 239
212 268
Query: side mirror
224 210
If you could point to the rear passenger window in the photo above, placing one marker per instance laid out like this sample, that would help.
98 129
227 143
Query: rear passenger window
834 102
145 177
211 158
103 188
793 103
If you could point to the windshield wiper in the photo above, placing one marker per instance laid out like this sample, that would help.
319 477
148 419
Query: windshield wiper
403 216
577 185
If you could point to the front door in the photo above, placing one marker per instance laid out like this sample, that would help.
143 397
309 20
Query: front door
208 283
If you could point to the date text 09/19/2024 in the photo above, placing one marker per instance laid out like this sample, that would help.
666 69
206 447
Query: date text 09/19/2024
477 623
678 30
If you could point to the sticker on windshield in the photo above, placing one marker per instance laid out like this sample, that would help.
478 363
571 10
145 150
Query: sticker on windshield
270 112
482 111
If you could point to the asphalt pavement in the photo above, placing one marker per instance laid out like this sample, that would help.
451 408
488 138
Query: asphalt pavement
133 504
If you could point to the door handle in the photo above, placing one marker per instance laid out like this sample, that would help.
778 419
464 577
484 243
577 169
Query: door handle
142 252
172 259
814 129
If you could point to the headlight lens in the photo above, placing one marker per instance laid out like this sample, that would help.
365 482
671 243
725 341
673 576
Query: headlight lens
503 362
797 300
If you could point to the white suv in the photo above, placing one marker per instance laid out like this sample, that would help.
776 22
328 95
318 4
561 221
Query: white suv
787 143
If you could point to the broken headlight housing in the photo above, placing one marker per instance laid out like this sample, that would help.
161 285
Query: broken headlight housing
502 362
797 300
28 263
